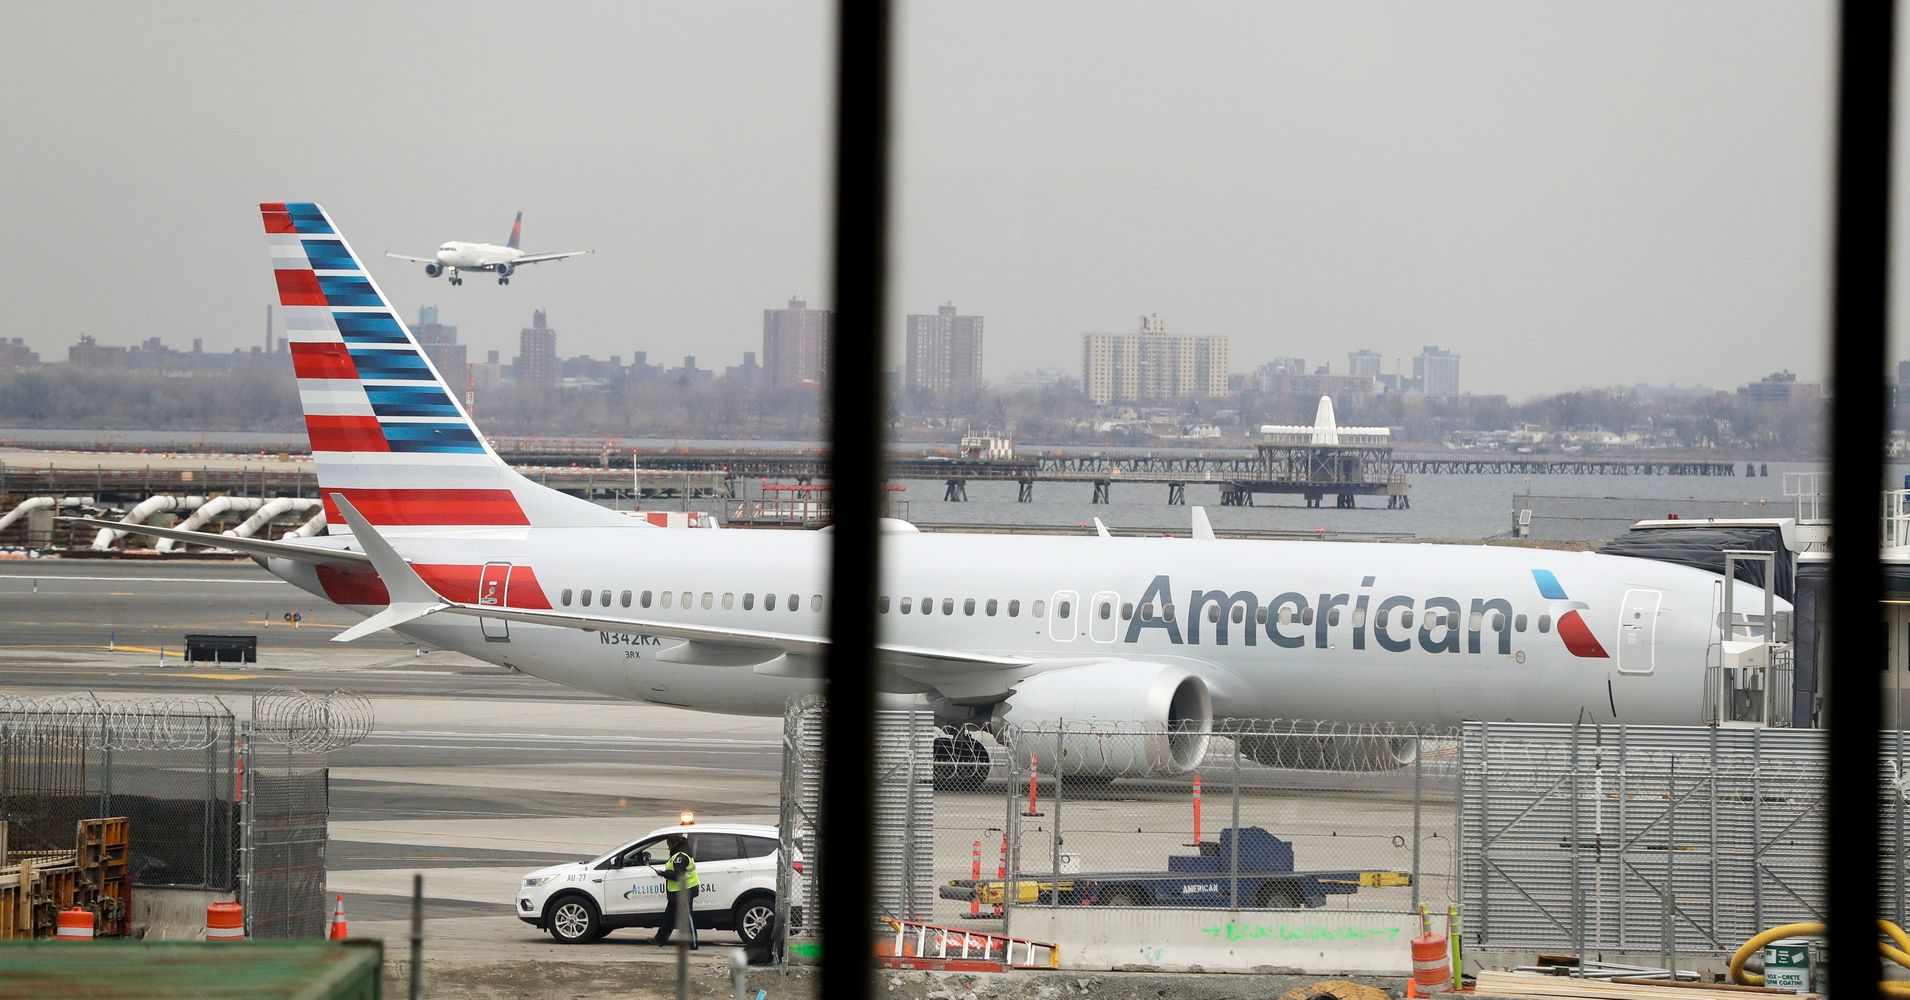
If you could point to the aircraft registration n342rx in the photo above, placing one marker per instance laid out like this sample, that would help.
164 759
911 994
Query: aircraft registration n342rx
455 256
449 546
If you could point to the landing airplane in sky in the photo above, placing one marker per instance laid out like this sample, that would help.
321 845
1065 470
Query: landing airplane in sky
456 256
450 547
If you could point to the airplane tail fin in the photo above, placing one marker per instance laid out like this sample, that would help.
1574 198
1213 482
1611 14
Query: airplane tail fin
386 430
517 232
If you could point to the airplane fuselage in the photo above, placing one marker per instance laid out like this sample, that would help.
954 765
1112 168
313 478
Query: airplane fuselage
459 256
1341 631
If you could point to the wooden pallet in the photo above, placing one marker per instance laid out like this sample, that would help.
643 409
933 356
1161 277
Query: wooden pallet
1533 985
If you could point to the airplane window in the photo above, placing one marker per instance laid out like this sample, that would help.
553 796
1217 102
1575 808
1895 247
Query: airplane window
795 602
604 599
1498 621
729 601
1474 621
882 605
968 607
1213 614
749 601
1380 618
1405 618
769 602
1147 612
907 604
1106 611
687 597
1167 612
1359 617
1064 608
1306 617
1240 613
1014 609
566 597
991 607
1039 609
626 599
1545 623
669 597
1260 617
815 603
928 605
586 596
1333 616
1286 614
708 599
644 600
1518 623
948 605
1127 611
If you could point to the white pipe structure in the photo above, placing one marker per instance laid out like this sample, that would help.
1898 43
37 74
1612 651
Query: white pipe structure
315 526
206 512
272 509
32 504
144 509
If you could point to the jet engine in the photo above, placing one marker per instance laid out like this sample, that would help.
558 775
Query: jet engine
433 270
506 270
1111 719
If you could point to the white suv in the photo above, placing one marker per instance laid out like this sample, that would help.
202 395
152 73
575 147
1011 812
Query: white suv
584 900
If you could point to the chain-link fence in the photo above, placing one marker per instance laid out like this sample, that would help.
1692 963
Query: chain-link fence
901 876
167 764
287 806
1658 840
1243 815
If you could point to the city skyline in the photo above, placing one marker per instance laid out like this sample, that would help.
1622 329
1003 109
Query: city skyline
1304 181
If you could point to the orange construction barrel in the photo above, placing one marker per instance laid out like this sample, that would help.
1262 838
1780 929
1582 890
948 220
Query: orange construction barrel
1432 972
225 922
74 925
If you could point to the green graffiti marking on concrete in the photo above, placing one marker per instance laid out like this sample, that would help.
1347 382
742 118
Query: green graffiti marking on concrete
1231 931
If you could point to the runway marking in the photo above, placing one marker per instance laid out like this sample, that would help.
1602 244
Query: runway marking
62 578
220 677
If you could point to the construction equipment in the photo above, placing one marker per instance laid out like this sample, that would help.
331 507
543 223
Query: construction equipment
36 886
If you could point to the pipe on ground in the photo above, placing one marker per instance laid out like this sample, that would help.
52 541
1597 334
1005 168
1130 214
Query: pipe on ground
206 513
270 510
315 526
144 509
31 504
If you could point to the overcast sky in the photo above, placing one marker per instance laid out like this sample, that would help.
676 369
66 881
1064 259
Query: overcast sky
1564 193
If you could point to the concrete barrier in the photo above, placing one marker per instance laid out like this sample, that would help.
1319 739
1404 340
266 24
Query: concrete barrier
173 914
1316 942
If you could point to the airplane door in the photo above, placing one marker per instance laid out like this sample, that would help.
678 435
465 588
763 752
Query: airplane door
1638 631
493 586
1102 624
1062 614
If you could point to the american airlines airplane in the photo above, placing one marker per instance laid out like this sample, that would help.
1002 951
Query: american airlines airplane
452 548
455 256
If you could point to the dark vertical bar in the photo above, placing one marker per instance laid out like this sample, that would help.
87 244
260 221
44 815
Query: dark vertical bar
855 464
1860 287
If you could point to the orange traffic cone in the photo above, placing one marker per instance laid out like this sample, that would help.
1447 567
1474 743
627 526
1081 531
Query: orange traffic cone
338 921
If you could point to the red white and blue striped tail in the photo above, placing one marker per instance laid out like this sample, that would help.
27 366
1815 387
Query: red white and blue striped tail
386 431
517 232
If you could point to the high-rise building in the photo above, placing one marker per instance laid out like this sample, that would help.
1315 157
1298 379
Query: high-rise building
795 344
1363 362
537 354
440 343
944 352
1152 365
1437 372
14 353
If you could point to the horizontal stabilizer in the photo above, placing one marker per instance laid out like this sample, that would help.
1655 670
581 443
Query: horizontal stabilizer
411 597
392 617
261 547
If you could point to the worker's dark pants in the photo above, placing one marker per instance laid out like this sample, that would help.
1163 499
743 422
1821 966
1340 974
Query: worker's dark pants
679 908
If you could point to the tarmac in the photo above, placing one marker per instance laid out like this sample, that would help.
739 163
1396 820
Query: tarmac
475 774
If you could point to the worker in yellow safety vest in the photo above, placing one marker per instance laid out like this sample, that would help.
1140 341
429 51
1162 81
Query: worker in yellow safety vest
680 881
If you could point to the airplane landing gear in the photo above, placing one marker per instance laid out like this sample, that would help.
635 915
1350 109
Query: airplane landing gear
456 280
503 281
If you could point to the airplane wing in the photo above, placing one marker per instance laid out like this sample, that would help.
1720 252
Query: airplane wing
412 598
539 258
420 260
261 547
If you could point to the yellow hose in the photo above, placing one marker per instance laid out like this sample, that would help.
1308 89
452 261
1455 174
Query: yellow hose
1898 953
